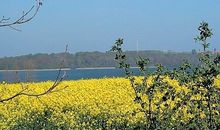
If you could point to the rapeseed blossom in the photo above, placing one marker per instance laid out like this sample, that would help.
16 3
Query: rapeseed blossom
91 104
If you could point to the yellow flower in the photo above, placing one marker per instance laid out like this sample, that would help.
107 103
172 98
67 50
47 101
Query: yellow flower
217 82
202 115
109 98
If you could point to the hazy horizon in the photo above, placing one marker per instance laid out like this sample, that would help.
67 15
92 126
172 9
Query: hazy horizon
95 25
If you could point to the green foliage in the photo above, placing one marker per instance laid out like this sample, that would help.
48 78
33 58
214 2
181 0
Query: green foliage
199 79
205 33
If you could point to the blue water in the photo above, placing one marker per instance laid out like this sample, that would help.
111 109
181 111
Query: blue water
75 74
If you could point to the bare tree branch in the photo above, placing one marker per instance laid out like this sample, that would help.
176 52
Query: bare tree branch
14 96
51 89
24 18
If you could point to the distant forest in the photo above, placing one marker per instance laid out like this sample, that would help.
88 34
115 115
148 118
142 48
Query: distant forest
92 59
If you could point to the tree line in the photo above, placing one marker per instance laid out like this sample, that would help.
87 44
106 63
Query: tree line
92 59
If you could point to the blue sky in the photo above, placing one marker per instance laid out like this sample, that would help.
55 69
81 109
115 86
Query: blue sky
94 25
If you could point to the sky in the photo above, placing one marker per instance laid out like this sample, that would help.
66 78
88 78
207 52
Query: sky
94 25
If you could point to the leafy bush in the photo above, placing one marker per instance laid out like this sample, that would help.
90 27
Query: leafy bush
198 100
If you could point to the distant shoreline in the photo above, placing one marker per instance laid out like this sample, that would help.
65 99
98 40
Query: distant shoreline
99 68
86 68
92 68
34 70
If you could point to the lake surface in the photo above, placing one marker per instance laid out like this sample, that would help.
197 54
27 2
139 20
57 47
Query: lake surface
74 74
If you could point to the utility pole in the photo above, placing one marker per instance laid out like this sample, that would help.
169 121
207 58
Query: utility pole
137 47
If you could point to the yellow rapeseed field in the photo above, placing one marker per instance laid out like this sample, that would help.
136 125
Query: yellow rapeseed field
89 104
